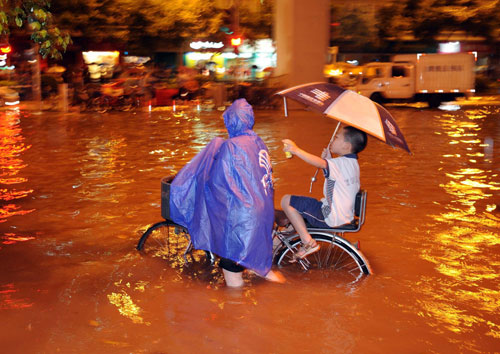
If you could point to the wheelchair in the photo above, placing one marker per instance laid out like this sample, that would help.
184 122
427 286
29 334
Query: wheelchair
336 253
171 242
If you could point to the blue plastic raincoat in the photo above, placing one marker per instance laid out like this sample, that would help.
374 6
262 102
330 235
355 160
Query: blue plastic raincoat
224 195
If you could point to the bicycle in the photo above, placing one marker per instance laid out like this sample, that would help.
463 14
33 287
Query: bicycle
168 240
172 242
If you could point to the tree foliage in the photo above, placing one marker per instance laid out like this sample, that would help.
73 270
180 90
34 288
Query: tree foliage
34 17
427 19
355 26
148 23
257 23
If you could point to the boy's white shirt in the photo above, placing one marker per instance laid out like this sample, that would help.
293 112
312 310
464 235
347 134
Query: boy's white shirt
344 171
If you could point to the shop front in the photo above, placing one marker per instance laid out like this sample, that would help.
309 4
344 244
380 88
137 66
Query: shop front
101 64
252 62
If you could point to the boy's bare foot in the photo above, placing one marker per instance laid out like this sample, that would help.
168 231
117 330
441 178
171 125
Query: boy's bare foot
305 250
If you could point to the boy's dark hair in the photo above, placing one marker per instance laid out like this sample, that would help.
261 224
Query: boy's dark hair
356 138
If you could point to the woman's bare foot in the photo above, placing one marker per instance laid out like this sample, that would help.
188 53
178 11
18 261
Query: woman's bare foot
275 276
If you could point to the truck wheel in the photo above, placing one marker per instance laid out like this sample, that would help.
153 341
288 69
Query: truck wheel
434 101
377 97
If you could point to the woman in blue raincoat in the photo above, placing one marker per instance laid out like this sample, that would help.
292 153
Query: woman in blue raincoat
224 197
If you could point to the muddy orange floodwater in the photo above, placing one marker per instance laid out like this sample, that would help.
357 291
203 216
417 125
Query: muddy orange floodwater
78 190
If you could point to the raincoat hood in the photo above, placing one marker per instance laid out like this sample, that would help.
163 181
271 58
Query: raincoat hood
239 118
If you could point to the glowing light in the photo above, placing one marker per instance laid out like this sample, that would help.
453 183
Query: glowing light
491 207
206 45
449 47
335 72
199 56
6 49
236 41
101 57
450 107
229 55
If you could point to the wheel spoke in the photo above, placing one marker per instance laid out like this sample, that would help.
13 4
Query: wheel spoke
170 243
334 254
341 256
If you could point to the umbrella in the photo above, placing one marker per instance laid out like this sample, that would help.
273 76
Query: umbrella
350 108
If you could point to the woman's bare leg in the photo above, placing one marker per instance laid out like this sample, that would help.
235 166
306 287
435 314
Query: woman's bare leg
233 280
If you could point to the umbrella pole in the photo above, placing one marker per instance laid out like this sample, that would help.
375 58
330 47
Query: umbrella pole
313 178
334 133
284 104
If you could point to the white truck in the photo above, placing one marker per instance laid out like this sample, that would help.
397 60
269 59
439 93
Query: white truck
432 78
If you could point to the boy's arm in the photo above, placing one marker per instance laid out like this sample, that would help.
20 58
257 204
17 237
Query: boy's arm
311 159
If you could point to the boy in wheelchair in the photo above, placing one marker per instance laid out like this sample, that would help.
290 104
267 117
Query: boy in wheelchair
340 187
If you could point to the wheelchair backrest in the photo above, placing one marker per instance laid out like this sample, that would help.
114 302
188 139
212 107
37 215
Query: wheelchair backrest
360 206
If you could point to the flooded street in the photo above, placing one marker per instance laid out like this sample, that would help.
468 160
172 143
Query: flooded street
78 190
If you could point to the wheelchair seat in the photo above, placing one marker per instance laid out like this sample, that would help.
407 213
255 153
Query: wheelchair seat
353 226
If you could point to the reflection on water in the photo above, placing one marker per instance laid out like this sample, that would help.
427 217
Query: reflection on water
466 250
12 147
10 300
77 191
126 306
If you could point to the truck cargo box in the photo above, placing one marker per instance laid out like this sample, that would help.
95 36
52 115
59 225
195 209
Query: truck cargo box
436 73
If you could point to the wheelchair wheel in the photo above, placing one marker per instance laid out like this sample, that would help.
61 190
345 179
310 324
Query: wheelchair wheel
169 242
335 254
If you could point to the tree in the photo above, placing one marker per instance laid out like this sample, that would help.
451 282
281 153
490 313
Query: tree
257 23
176 21
138 24
33 17
427 19
142 25
354 26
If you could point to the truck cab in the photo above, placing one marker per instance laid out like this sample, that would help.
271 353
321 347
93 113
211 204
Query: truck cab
382 81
